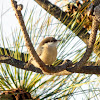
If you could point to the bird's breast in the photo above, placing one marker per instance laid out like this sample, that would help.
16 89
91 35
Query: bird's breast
49 55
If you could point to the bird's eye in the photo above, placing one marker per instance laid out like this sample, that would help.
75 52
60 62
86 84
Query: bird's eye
54 40
46 42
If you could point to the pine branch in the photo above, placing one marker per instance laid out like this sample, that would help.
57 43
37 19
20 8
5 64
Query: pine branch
58 70
63 69
20 64
95 25
42 66
28 43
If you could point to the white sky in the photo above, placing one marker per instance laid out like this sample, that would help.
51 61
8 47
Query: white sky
7 15
8 18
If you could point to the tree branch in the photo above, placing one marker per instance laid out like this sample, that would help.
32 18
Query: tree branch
58 70
26 36
20 64
95 25
45 68
17 63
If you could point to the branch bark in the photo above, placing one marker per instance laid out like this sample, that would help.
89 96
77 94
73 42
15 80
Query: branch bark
20 64
58 70
26 36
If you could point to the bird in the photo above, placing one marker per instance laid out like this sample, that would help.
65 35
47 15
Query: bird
47 51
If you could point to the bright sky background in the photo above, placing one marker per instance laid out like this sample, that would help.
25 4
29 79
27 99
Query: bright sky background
7 18
7 15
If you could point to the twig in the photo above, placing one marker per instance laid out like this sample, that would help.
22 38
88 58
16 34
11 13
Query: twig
59 70
95 25
42 66
26 36
20 64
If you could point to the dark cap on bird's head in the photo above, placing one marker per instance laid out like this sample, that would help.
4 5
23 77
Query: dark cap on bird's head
47 40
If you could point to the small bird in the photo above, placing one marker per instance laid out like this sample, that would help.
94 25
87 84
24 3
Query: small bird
47 51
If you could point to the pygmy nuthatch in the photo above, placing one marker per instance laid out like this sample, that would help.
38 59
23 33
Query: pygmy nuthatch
47 51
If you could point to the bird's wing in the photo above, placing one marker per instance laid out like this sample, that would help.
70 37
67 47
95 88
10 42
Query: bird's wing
39 51
29 63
